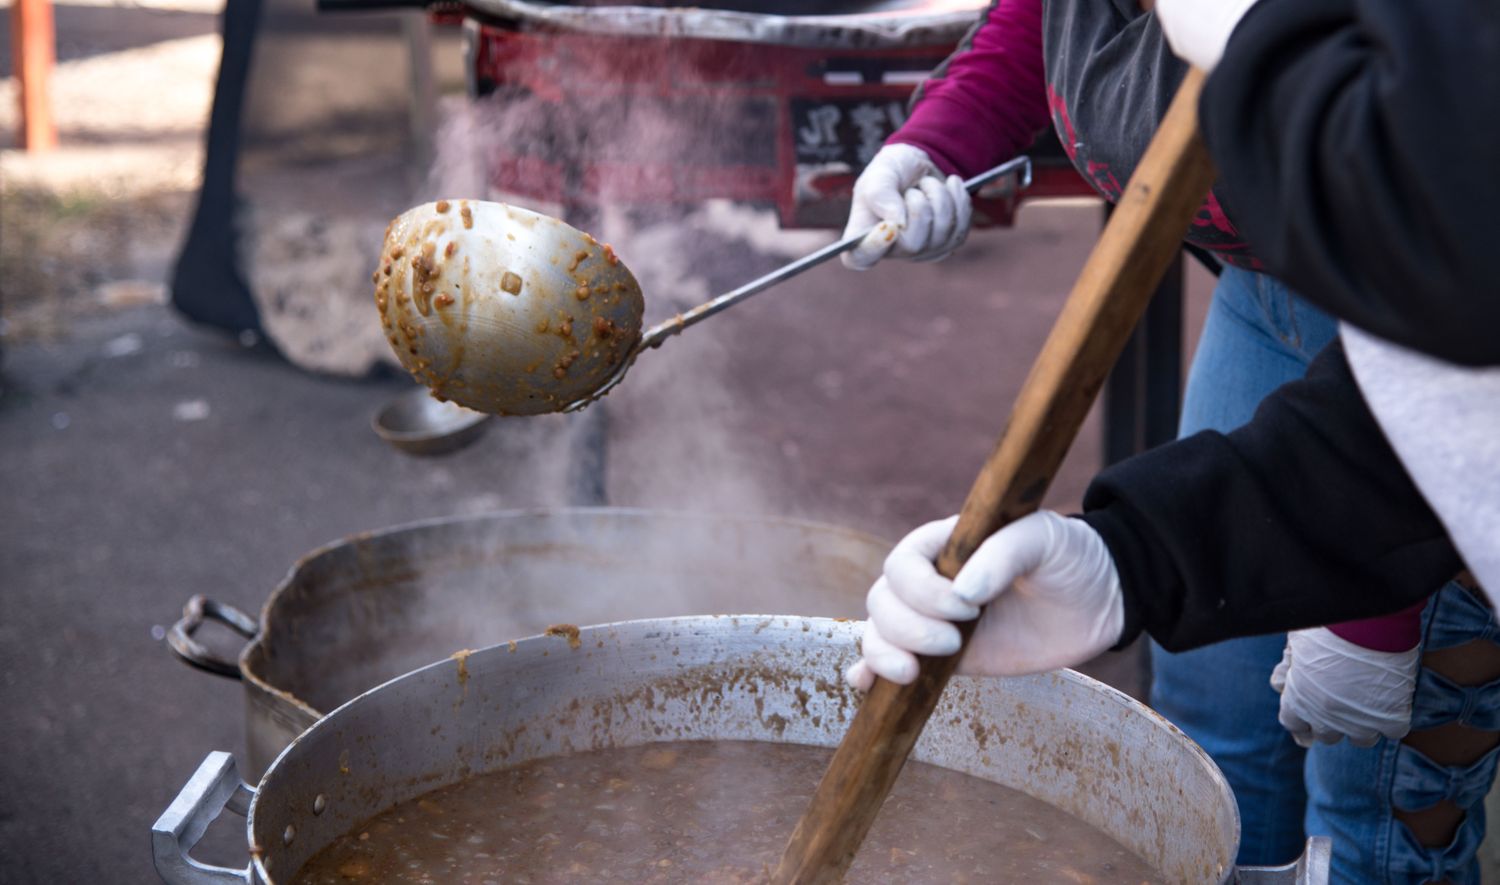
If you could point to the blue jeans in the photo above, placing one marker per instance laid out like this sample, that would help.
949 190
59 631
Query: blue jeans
1258 336
1351 790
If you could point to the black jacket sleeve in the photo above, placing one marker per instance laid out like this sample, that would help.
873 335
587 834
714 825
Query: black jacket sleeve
1300 518
1359 144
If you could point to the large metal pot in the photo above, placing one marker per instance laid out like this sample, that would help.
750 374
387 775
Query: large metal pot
1060 737
358 612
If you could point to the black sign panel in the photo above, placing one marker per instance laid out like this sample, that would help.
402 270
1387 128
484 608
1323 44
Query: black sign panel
843 130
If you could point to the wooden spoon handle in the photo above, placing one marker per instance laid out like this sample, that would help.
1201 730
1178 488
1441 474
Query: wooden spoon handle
1133 252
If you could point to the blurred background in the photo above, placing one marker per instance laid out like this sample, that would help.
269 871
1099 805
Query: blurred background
190 362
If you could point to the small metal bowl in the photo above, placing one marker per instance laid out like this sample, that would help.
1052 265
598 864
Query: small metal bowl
417 424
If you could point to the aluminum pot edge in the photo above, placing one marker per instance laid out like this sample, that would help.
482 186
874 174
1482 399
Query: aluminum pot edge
1061 737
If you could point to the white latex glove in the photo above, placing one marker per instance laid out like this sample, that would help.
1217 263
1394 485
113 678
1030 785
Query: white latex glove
1053 595
916 213
1331 688
1198 30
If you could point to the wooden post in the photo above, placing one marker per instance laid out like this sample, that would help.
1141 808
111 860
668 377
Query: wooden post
33 52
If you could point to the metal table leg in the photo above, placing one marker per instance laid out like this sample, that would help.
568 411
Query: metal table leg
1143 395
1144 392
588 448
588 442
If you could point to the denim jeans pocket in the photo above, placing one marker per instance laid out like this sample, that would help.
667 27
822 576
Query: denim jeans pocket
1279 309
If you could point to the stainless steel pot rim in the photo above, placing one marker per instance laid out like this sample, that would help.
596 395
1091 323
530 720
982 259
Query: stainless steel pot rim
1066 739
850 31
836 628
267 626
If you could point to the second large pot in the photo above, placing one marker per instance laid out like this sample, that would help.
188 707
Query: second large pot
369 608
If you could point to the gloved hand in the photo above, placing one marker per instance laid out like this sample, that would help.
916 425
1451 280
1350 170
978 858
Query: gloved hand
917 214
1331 688
1053 594
1198 30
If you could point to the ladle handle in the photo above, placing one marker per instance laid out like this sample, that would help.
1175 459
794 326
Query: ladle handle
662 331
1111 293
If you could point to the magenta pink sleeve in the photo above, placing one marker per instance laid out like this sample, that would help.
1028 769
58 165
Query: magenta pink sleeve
989 100
1398 632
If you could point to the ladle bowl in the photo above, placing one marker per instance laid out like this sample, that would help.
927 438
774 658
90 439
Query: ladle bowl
417 424
504 310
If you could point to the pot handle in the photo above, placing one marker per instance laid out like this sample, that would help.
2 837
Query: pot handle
180 637
1312 868
215 786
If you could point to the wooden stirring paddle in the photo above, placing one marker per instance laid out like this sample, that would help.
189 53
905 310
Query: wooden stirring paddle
1111 293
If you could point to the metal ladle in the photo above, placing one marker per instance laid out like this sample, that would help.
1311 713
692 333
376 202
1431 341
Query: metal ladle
511 312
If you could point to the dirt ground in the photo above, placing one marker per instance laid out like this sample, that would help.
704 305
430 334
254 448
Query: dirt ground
94 225
144 460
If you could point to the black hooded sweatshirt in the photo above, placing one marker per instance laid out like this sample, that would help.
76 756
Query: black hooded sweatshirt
1358 142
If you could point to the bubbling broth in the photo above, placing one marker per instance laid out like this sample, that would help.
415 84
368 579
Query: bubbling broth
710 811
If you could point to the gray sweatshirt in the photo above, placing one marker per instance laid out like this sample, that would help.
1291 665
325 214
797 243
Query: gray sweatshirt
1443 420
